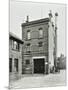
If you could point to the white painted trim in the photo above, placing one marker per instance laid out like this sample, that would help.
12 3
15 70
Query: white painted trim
39 57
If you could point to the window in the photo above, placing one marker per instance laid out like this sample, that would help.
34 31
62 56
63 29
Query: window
16 65
28 44
28 34
40 32
28 47
16 45
10 64
27 61
28 51
40 44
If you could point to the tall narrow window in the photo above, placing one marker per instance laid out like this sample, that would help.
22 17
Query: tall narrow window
16 65
40 32
10 64
28 47
28 34
16 45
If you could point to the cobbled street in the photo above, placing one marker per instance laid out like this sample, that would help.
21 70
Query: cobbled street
40 80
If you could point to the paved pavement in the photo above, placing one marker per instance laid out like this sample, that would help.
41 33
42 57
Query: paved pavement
31 81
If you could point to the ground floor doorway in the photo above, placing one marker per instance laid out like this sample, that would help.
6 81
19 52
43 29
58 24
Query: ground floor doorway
39 65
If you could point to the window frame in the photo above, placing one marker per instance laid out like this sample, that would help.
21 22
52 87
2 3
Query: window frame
15 46
28 35
27 61
28 47
40 32
10 65
40 44
16 64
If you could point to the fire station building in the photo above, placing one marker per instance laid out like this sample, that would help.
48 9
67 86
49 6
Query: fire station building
39 46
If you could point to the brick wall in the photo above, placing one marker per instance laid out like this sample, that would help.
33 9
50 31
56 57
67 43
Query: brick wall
34 48
14 54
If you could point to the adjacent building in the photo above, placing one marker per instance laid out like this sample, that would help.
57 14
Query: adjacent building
61 62
15 57
39 53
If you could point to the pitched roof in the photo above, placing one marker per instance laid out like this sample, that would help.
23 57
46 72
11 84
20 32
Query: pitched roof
14 37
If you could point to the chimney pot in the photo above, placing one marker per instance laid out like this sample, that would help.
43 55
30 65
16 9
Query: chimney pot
56 14
27 19
50 15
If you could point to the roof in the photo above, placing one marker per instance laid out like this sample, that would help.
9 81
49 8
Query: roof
36 22
14 37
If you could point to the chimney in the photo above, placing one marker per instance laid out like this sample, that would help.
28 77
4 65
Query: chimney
27 19
50 15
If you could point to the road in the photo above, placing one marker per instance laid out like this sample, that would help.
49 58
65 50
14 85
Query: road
31 81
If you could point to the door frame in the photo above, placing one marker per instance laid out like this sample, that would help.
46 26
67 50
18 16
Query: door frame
37 57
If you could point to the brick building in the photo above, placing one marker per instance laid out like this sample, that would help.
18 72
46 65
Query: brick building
61 62
39 45
15 57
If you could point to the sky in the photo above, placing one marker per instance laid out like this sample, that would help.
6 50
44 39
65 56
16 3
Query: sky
19 10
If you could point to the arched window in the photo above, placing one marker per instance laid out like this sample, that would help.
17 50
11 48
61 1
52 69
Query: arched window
16 45
40 32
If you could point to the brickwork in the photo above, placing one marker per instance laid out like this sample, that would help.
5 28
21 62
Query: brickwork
15 54
35 50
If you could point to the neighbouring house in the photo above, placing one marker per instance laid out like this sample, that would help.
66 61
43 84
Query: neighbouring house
61 62
15 57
